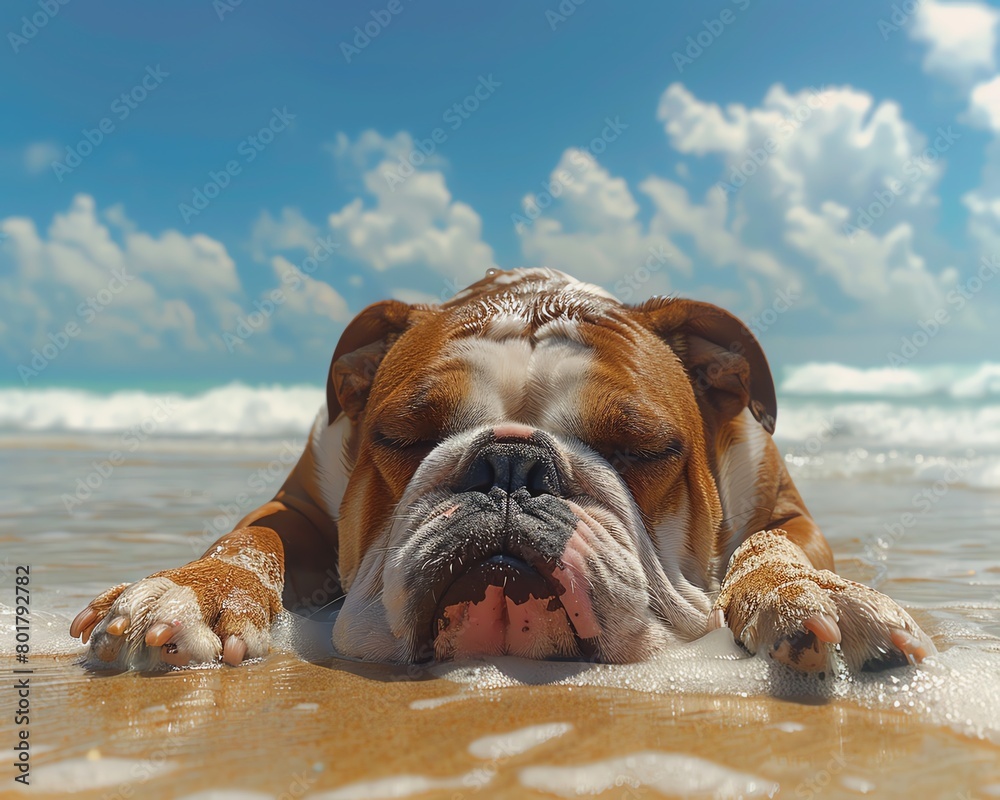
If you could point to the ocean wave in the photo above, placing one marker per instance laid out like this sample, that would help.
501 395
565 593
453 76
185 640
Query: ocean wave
876 440
883 424
231 410
959 382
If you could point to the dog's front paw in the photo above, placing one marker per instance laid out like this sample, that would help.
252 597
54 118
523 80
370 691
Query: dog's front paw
221 605
774 602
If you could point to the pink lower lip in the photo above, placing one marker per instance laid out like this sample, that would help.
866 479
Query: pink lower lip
502 619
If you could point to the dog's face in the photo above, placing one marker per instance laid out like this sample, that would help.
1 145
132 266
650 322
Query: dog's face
528 470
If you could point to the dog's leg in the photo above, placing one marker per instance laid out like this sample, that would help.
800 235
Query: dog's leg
776 601
222 604
781 596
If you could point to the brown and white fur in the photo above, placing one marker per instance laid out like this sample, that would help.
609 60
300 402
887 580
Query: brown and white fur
535 469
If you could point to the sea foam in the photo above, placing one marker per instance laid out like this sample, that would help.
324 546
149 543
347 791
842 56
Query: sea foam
231 410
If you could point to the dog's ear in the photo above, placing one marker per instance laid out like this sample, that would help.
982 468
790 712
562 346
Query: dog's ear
361 348
723 359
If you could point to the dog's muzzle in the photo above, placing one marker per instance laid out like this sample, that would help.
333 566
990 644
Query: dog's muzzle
503 570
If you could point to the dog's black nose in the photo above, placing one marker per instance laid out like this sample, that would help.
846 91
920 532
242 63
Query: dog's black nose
510 466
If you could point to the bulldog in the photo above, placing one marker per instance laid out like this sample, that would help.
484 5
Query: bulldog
534 469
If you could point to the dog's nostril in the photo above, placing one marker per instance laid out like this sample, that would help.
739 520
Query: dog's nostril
481 477
536 481
511 467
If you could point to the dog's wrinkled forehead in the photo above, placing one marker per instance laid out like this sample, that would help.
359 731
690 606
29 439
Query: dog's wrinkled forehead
524 346
522 301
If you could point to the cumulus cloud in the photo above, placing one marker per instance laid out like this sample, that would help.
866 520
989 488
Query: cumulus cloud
797 174
408 217
800 174
814 134
592 228
984 104
76 272
289 231
961 39
983 203
872 269
707 226
127 294
304 316
307 297
371 149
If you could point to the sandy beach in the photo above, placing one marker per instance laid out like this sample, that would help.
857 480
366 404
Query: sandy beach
284 728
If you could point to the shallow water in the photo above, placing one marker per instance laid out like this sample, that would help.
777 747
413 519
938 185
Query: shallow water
702 721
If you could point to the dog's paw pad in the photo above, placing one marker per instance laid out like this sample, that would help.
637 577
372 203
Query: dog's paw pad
803 651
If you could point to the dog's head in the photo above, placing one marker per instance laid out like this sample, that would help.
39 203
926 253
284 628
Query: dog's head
524 469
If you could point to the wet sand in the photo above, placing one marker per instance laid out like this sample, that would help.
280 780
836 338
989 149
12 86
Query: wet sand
287 728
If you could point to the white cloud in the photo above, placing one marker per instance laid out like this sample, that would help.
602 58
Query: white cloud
984 105
371 148
52 280
961 39
794 165
412 223
132 293
38 156
707 226
815 133
417 296
308 298
289 231
983 204
182 294
869 268
174 260
795 170
306 320
592 229
117 217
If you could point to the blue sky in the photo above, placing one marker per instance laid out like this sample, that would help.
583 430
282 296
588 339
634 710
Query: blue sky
859 145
